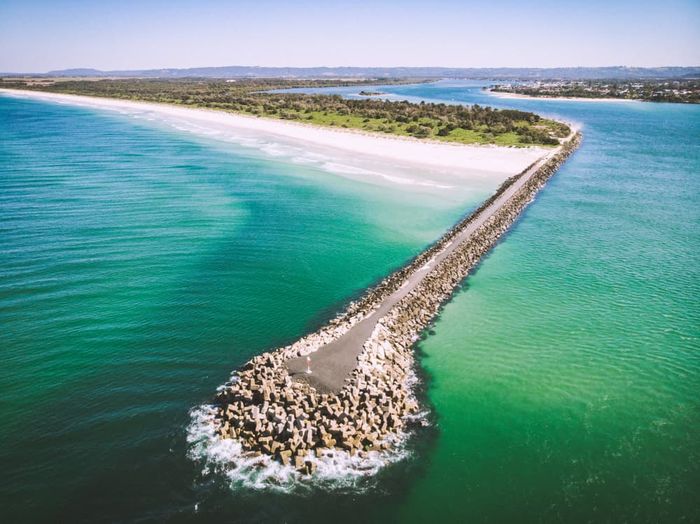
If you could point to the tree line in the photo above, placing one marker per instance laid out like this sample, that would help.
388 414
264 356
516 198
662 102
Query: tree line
252 96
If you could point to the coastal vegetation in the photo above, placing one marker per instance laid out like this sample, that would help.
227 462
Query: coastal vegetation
444 122
679 91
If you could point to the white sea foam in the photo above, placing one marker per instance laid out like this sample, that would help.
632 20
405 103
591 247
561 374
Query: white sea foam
337 470
335 167
386 159
298 155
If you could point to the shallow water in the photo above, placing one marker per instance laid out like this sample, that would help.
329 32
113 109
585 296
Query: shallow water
141 264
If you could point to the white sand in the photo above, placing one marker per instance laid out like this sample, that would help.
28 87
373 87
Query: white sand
350 153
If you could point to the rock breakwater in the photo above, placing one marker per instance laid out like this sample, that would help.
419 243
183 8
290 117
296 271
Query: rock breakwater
276 416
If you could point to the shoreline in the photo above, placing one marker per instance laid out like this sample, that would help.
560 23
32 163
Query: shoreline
519 96
406 152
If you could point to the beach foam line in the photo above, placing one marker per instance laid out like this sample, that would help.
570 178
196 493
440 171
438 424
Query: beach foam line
278 150
297 155
469 160
335 167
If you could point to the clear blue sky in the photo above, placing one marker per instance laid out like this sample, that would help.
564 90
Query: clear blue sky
36 36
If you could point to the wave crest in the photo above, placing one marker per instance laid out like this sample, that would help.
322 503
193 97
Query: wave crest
336 470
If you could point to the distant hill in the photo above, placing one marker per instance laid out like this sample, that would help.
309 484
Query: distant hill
498 73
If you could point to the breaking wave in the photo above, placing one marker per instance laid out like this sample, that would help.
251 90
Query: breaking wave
335 470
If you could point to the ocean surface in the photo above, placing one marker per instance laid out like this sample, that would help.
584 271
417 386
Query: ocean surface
142 262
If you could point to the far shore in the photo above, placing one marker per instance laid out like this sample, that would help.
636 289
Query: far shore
501 94
478 161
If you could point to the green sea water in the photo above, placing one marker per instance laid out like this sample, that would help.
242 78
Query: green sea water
140 264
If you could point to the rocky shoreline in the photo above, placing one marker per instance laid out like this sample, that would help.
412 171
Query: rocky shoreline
272 414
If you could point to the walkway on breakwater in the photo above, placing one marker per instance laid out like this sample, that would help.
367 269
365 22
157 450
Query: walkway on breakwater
334 362
358 400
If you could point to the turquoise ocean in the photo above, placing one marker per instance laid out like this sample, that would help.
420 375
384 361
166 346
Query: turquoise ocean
141 263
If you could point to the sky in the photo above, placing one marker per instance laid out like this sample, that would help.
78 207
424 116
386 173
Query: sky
39 36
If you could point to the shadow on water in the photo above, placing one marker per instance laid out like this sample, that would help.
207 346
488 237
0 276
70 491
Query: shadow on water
245 333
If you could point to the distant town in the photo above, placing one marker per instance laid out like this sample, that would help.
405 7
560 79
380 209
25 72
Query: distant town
686 91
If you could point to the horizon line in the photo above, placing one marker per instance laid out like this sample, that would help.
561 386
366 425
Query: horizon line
617 66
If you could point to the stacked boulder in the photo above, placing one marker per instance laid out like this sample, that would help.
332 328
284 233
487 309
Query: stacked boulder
272 415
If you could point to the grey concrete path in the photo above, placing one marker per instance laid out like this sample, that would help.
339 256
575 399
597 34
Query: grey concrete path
332 364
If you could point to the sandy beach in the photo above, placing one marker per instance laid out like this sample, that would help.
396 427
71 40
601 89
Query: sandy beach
349 152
